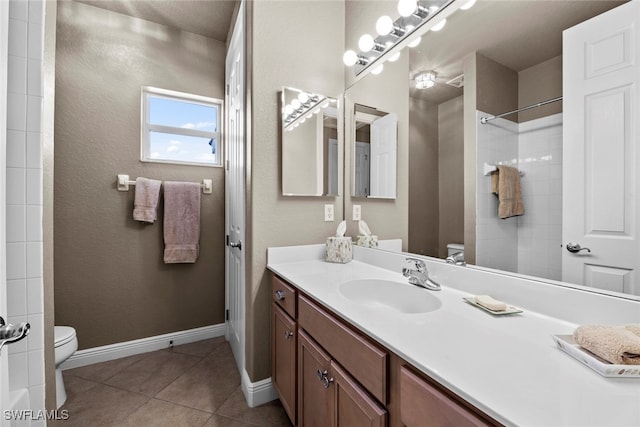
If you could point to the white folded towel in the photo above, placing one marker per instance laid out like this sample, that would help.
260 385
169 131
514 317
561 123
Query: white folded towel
145 204
181 222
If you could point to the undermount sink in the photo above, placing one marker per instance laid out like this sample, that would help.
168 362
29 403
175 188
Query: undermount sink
397 296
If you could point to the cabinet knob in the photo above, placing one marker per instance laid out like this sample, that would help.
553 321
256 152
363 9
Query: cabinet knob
288 334
326 381
280 295
321 374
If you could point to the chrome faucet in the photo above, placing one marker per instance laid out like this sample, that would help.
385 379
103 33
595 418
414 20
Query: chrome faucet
457 259
420 276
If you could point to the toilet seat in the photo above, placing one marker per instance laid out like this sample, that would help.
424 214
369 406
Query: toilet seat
63 335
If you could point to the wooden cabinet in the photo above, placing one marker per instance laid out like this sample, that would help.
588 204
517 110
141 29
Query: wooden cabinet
328 374
284 338
328 396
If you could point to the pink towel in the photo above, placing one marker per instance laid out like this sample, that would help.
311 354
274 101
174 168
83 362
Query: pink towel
181 222
145 203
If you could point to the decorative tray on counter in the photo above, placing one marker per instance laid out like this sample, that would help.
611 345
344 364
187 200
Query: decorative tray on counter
510 309
567 344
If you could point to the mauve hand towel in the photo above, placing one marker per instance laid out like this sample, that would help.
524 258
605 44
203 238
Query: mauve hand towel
181 222
145 203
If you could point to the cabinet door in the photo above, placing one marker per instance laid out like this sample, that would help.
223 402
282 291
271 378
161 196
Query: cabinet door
352 405
283 359
313 397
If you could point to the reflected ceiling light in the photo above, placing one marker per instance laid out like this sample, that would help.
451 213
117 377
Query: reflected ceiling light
468 5
440 25
425 80
350 58
303 98
394 57
415 42
301 108
288 109
377 70
384 25
295 104
407 7
366 43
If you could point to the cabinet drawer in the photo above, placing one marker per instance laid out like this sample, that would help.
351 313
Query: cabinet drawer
421 402
284 295
365 361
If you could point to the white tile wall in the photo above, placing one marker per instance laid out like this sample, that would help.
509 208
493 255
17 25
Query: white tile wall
24 195
529 244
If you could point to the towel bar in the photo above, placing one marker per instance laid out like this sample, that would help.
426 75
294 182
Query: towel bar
124 182
487 169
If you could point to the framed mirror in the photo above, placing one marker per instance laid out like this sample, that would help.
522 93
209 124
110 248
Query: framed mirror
375 146
310 148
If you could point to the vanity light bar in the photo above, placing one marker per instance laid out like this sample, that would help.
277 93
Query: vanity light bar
294 115
398 33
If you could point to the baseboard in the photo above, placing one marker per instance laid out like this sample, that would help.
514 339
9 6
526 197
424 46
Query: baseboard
105 353
257 393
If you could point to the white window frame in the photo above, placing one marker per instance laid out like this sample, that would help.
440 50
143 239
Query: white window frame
146 128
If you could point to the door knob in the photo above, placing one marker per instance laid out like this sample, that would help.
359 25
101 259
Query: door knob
236 245
574 248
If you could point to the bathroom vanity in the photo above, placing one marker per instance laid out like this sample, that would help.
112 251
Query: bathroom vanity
352 344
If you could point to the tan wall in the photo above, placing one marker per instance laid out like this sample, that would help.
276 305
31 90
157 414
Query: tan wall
540 83
497 87
423 177
387 218
451 173
470 96
292 46
110 281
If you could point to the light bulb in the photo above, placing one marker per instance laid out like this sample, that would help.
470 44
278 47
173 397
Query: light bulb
468 5
415 42
288 110
440 25
295 104
309 115
303 97
326 104
350 58
303 120
407 7
377 70
366 43
394 57
384 25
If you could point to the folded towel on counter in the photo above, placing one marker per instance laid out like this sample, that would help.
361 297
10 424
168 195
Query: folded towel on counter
145 203
505 183
616 344
181 222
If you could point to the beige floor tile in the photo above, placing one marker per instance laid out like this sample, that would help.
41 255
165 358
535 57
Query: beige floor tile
219 421
100 372
206 385
199 348
158 413
76 386
269 414
153 373
101 406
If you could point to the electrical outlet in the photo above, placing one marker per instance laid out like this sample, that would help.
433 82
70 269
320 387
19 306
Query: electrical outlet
357 213
328 213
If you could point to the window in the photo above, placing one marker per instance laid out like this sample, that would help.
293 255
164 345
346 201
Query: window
180 128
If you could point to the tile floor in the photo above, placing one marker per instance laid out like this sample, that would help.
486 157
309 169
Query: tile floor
191 385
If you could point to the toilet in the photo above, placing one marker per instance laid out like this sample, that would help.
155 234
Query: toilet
66 343
453 248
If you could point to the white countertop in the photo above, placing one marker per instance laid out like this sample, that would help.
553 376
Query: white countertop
507 366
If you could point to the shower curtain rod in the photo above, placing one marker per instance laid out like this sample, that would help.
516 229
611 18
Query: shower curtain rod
484 120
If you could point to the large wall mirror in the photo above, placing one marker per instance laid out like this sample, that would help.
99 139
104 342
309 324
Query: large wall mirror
518 65
310 144
375 146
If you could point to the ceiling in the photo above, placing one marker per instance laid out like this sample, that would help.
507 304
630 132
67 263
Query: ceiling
209 18
516 33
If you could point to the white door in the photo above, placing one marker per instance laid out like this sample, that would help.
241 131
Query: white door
235 192
4 59
601 151
361 179
384 135
333 167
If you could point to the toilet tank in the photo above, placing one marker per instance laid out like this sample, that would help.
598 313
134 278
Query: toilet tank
453 248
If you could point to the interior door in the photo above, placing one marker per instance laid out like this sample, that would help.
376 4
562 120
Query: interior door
4 59
384 134
601 157
362 169
235 192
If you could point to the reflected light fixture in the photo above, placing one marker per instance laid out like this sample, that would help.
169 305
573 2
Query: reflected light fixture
301 108
413 15
425 80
